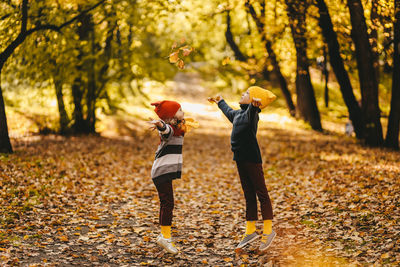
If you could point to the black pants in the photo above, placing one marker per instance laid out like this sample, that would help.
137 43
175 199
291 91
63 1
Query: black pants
166 195
253 185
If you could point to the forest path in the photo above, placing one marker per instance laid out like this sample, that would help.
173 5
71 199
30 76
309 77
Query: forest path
90 201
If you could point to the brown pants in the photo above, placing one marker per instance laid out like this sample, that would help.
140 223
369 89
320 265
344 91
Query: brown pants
166 195
253 185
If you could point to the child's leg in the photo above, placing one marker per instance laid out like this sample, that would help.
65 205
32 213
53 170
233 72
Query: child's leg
256 175
249 192
251 199
166 195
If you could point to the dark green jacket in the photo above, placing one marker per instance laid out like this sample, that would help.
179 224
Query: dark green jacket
243 138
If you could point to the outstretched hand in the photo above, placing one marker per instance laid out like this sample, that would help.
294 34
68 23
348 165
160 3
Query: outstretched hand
154 124
215 99
256 102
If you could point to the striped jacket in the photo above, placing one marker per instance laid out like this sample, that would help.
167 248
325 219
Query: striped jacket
168 160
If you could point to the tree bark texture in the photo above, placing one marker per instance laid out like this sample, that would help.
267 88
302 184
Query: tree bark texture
341 74
272 56
306 102
366 74
392 135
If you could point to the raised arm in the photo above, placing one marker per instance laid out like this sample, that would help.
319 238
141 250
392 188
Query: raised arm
165 130
227 110
253 109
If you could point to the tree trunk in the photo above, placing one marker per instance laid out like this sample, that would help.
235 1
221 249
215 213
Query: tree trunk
341 74
5 144
272 57
229 39
366 74
79 124
282 81
374 36
91 94
306 103
326 75
392 135
84 67
64 119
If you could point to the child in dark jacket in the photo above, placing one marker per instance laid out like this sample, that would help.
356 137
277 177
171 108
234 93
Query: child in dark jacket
246 153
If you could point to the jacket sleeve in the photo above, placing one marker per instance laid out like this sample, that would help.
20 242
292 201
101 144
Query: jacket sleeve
227 110
252 113
166 132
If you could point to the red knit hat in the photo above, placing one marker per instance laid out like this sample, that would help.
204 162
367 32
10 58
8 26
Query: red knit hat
166 109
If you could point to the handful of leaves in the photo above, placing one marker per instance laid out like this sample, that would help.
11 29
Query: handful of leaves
190 124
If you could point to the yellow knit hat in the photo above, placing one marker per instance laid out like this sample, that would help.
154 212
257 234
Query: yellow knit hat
266 96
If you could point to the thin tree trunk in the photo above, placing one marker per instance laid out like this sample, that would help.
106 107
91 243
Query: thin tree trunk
341 74
374 36
282 81
64 119
392 135
272 56
229 39
79 124
5 144
326 75
367 74
306 102
91 95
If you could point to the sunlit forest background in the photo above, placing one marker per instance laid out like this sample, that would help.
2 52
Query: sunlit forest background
76 75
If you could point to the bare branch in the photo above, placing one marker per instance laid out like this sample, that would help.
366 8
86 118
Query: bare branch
43 27
58 28
5 16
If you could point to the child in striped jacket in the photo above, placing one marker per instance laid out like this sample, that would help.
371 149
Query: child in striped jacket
167 165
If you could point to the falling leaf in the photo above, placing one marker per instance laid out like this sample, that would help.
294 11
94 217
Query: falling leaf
174 57
187 51
181 64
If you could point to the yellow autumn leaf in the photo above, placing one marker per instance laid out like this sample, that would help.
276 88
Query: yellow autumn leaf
63 238
385 256
174 57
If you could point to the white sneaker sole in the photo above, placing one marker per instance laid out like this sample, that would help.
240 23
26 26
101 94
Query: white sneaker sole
167 249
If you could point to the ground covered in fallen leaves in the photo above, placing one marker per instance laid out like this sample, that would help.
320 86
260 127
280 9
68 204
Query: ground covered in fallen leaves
90 200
